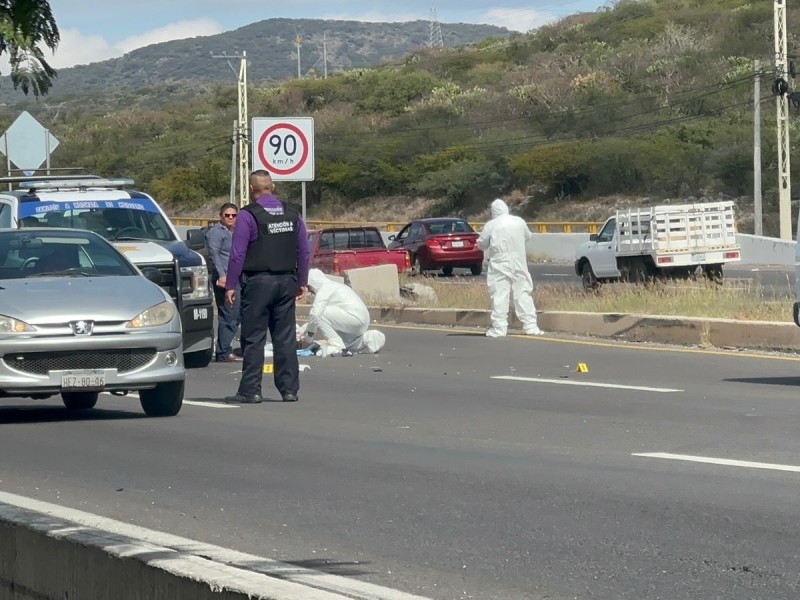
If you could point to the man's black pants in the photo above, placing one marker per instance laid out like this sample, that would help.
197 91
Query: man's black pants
268 302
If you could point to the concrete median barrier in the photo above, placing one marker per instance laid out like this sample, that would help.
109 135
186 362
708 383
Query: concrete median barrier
694 331
49 552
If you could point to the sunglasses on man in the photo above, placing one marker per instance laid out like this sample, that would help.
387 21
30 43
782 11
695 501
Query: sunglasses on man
229 215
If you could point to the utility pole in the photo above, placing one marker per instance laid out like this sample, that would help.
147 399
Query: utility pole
324 56
244 147
781 88
298 40
233 161
757 200
242 157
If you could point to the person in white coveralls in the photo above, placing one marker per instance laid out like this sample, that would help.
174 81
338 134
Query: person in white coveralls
338 315
503 240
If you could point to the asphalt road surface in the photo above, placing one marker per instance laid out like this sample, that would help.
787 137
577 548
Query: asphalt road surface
453 466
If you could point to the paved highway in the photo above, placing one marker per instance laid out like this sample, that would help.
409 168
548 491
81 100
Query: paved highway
454 466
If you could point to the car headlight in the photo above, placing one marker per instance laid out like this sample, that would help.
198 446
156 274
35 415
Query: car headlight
11 325
160 314
194 283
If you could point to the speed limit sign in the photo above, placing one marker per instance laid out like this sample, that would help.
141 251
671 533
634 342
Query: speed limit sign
284 147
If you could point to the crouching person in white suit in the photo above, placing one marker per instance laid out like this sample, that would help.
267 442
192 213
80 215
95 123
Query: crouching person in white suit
339 316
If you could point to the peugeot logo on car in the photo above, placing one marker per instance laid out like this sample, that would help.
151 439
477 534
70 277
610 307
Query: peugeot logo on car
82 327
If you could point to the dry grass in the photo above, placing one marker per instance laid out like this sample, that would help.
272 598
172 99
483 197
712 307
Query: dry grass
690 299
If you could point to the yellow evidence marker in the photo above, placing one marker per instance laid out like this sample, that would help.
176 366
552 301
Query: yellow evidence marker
267 367
582 368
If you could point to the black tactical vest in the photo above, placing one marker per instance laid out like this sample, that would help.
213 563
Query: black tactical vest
275 249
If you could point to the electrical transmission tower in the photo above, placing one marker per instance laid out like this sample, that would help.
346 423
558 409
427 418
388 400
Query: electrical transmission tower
435 29
241 161
57 109
781 89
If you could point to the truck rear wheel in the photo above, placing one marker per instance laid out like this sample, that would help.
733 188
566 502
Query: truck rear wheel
638 272
588 278
713 273
200 359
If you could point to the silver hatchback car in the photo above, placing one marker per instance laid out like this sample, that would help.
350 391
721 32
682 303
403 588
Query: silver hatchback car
77 318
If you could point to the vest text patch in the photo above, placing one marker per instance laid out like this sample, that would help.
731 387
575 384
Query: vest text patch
280 227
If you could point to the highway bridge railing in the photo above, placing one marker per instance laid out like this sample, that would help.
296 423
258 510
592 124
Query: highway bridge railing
535 226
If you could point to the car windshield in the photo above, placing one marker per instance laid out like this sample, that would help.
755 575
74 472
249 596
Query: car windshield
42 253
113 219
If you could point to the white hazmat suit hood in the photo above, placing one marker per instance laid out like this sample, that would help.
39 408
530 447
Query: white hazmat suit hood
317 279
499 208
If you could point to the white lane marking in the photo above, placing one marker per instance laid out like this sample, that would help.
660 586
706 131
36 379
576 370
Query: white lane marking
192 402
639 388
720 461
210 404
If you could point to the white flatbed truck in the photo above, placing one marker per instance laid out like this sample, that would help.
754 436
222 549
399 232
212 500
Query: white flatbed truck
641 244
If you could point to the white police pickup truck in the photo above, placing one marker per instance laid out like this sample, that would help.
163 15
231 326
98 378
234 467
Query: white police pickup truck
135 223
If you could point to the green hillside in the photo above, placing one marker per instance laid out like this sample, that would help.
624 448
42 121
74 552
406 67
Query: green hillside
650 99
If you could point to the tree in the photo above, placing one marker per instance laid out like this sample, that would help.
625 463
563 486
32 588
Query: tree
24 26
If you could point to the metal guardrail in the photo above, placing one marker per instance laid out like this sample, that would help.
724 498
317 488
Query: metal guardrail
536 226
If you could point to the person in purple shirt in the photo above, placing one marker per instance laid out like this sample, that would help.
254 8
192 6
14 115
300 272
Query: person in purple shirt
269 260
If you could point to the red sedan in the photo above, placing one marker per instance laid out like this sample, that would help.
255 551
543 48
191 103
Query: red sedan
440 243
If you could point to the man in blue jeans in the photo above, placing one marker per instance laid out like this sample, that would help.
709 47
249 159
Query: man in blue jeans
218 242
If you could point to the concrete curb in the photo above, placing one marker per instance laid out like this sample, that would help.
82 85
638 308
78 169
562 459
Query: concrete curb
720 333
50 552
47 558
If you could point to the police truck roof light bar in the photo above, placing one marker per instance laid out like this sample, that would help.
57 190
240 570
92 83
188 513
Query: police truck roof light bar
86 182
51 177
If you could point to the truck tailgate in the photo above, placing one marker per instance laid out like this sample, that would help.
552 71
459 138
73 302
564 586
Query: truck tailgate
338 261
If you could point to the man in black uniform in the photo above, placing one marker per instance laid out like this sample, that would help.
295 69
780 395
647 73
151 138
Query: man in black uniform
269 258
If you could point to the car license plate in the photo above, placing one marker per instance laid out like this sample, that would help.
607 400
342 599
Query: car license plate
83 380
458 244
698 256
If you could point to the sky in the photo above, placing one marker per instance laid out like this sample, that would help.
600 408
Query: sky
92 31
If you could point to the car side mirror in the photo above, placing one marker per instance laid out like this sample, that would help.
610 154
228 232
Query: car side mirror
593 237
152 274
196 239
392 237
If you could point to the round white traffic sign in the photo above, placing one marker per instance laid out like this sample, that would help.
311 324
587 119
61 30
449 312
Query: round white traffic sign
284 147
